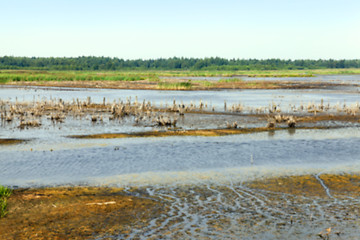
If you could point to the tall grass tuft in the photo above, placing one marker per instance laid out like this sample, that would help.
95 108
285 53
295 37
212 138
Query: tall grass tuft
4 195
175 86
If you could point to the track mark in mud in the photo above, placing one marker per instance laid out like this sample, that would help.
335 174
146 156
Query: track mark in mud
291 207
327 190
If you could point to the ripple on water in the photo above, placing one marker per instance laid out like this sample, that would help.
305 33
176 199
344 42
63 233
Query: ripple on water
155 157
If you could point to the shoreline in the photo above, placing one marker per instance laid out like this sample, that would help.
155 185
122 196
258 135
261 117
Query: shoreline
181 85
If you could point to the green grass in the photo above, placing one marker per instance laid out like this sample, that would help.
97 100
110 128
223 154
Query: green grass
43 76
259 73
231 80
153 76
175 86
204 83
4 195
280 75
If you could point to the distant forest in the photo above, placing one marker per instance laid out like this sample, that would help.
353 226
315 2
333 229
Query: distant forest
216 63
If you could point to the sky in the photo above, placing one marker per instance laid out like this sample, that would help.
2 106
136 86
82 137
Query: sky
140 29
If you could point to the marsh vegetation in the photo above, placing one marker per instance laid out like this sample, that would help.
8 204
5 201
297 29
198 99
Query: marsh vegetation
4 195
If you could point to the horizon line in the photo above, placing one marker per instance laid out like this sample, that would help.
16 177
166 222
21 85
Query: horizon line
182 57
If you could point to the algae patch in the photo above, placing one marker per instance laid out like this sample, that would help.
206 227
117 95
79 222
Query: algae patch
75 213
171 133
10 141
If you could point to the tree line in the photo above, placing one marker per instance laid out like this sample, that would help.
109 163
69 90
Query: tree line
175 63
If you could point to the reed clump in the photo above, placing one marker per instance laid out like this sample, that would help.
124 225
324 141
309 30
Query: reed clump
32 114
4 195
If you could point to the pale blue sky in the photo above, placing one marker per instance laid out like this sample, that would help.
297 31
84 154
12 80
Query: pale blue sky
307 29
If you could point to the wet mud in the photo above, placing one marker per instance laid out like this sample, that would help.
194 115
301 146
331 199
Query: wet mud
75 213
171 133
291 207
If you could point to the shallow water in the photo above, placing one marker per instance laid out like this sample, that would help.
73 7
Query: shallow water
128 161
200 178
250 98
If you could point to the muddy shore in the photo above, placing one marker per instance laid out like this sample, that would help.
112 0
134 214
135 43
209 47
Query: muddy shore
201 85
93 212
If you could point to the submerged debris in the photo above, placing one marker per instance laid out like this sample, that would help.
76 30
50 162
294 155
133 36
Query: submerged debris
29 123
234 125
291 122
144 113
271 123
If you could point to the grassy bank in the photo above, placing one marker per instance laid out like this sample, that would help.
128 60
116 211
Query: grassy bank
4 195
260 73
46 76
163 80
43 76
